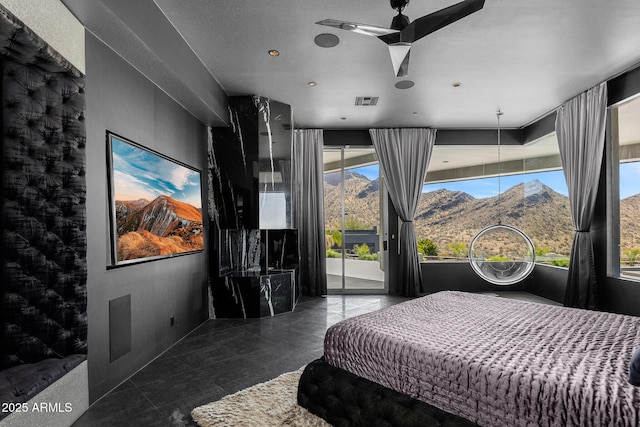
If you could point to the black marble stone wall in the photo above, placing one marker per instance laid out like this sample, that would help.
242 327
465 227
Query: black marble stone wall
257 273
240 252
280 249
260 251
253 244
233 203
277 293
250 166
256 295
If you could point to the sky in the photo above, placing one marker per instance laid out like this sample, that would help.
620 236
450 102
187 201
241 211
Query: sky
370 171
140 174
629 179
488 187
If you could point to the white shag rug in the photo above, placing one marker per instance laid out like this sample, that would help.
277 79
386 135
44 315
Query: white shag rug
269 404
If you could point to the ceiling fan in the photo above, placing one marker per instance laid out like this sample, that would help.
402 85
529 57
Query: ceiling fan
403 33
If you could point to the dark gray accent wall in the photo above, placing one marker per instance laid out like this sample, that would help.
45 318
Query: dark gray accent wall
478 137
541 127
545 281
119 327
355 138
548 282
459 276
623 86
361 137
141 33
122 100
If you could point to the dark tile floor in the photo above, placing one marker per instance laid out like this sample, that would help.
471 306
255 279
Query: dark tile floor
223 356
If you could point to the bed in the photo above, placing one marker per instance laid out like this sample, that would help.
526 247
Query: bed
490 360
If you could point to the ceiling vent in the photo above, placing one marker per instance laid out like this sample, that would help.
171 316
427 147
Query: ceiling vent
367 101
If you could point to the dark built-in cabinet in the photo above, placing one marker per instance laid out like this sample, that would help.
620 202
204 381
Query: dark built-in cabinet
254 262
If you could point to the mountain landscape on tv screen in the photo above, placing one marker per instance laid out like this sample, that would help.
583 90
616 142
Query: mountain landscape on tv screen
446 216
164 226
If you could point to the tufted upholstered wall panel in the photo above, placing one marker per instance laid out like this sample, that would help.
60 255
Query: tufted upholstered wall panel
43 213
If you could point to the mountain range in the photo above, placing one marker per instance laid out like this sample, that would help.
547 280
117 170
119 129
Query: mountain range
446 216
161 227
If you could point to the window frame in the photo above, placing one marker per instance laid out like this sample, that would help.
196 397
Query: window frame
612 184
516 167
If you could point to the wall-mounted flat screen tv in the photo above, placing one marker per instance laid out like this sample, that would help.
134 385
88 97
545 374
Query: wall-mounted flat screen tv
155 202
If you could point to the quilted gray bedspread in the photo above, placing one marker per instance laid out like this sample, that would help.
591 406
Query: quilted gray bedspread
497 361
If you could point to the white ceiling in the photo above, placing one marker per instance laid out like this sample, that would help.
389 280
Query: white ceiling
521 56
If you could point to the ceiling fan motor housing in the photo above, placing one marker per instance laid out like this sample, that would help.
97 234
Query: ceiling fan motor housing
399 5
399 22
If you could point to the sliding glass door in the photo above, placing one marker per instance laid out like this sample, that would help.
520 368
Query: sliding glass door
353 227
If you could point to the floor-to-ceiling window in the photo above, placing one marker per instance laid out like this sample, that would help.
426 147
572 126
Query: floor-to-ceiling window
353 226
469 188
625 238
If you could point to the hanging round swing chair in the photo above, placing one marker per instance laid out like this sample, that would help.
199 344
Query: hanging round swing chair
502 254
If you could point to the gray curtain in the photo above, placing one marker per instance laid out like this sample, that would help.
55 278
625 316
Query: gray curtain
309 209
580 127
404 157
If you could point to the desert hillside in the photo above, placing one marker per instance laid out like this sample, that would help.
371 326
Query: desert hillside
455 217
160 227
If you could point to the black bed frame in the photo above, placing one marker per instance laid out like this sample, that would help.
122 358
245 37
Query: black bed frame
344 399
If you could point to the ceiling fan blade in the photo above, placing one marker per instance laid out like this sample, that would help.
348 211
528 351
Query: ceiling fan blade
437 20
369 30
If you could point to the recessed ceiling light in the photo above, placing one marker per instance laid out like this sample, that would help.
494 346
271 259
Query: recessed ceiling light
456 84
445 161
415 113
404 84
343 118
326 40
274 52
312 84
